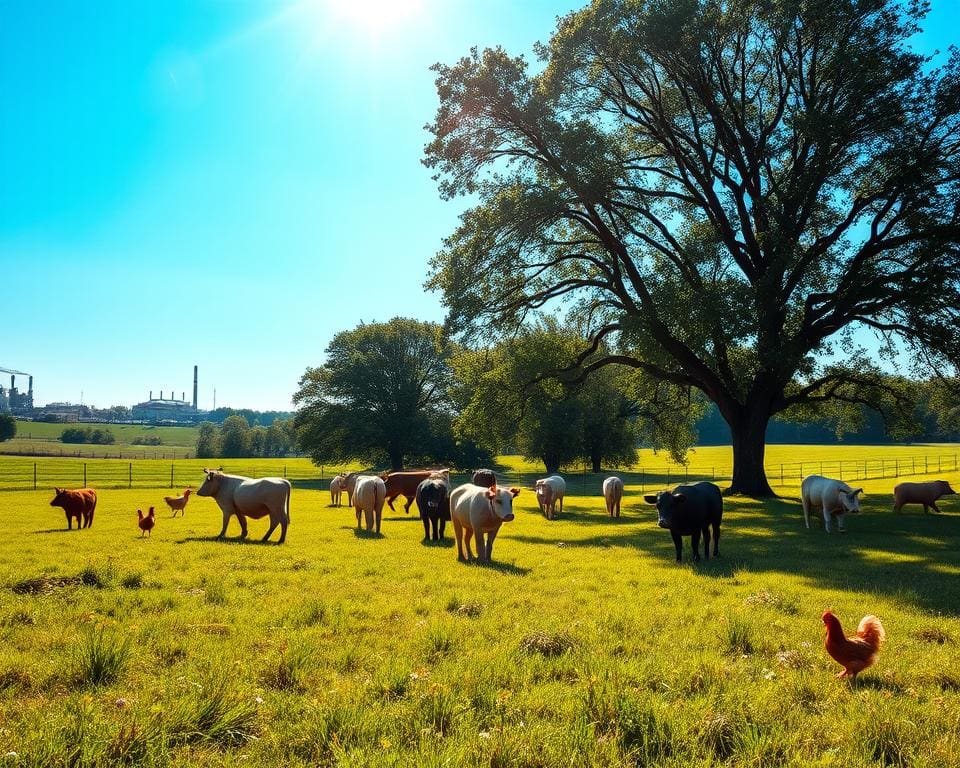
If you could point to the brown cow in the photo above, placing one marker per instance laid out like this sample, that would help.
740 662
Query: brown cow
406 484
921 493
76 504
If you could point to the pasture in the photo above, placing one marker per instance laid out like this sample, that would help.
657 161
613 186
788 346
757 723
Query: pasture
36 438
584 643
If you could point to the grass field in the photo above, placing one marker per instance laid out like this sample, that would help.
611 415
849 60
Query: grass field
36 438
583 645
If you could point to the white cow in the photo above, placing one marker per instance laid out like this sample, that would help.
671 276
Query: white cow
243 497
368 497
337 486
349 483
476 509
550 490
612 493
833 497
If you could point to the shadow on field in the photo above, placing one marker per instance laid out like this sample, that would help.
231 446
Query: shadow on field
444 543
250 540
362 533
56 530
910 557
498 566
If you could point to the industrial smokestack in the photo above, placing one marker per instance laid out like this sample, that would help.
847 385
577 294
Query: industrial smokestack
13 382
30 391
194 387
151 394
161 394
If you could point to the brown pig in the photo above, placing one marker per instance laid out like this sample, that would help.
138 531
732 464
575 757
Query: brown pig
921 493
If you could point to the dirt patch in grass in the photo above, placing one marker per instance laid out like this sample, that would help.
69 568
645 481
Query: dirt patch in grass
45 585
547 643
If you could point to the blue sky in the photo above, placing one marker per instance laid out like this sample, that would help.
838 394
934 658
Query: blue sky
226 183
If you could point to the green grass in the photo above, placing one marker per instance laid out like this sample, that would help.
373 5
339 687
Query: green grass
584 644
36 438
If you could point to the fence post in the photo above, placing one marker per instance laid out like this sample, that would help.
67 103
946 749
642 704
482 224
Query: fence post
34 475
781 474
284 470
939 470
642 475
130 475
84 474
898 469
926 465
171 475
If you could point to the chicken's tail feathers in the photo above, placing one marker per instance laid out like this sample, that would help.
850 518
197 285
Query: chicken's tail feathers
871 631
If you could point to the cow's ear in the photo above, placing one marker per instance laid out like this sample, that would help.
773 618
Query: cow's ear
514 492
492 492
650 499
855 491
679 498
206 471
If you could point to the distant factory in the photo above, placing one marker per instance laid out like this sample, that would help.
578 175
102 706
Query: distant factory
13 400
162 408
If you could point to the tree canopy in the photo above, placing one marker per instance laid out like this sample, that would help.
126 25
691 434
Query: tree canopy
382 394
8 427
727 192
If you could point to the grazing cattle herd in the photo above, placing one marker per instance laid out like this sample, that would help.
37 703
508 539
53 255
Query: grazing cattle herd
477 509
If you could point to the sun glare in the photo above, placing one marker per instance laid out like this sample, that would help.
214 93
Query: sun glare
376 17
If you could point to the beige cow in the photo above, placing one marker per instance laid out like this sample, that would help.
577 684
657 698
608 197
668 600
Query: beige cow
550 490
612 494
478 510
337 486
244 497
368 497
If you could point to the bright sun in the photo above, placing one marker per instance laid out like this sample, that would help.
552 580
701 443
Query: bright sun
375 16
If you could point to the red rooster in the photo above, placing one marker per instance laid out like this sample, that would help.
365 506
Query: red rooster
146 521
178 502
854 653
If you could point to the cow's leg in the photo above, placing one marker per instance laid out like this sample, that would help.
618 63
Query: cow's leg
716 539
390 502
426 527
806 509
442 524
368 519
826 520
841 523
378 515
284 522
678 543
481 546
406 509
243 525
274 522
490 537
467 537
69 522
935 507
226 519
458 534
357 510
695 543
706 541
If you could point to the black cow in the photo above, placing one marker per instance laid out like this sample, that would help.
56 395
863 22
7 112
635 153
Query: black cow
433 501
690 510
484 478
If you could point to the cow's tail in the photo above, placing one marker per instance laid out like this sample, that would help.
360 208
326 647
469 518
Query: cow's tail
286 502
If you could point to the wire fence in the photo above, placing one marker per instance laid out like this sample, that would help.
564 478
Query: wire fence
71 473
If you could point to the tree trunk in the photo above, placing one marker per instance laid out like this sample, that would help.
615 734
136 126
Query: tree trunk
551 464
396 460
749 434
595 461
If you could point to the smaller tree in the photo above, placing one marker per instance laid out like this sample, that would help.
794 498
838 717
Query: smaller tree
258 440
8 427
235 438
279 439
208 441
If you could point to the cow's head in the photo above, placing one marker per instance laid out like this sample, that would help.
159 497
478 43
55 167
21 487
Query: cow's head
501 502
850 500
668 503
59 495
945 488
211 483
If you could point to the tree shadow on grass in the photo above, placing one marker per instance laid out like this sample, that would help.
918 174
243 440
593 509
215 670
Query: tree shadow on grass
910 557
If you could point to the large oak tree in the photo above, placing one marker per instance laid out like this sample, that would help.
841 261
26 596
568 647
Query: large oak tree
727 188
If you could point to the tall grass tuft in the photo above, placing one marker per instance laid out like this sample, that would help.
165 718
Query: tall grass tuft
217 714
547 643
737 635
289 672
101 657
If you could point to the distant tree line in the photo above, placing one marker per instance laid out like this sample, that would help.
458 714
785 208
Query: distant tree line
401 393
236 438
253 418
94 436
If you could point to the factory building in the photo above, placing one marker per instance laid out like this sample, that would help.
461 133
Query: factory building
168 408
12 399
